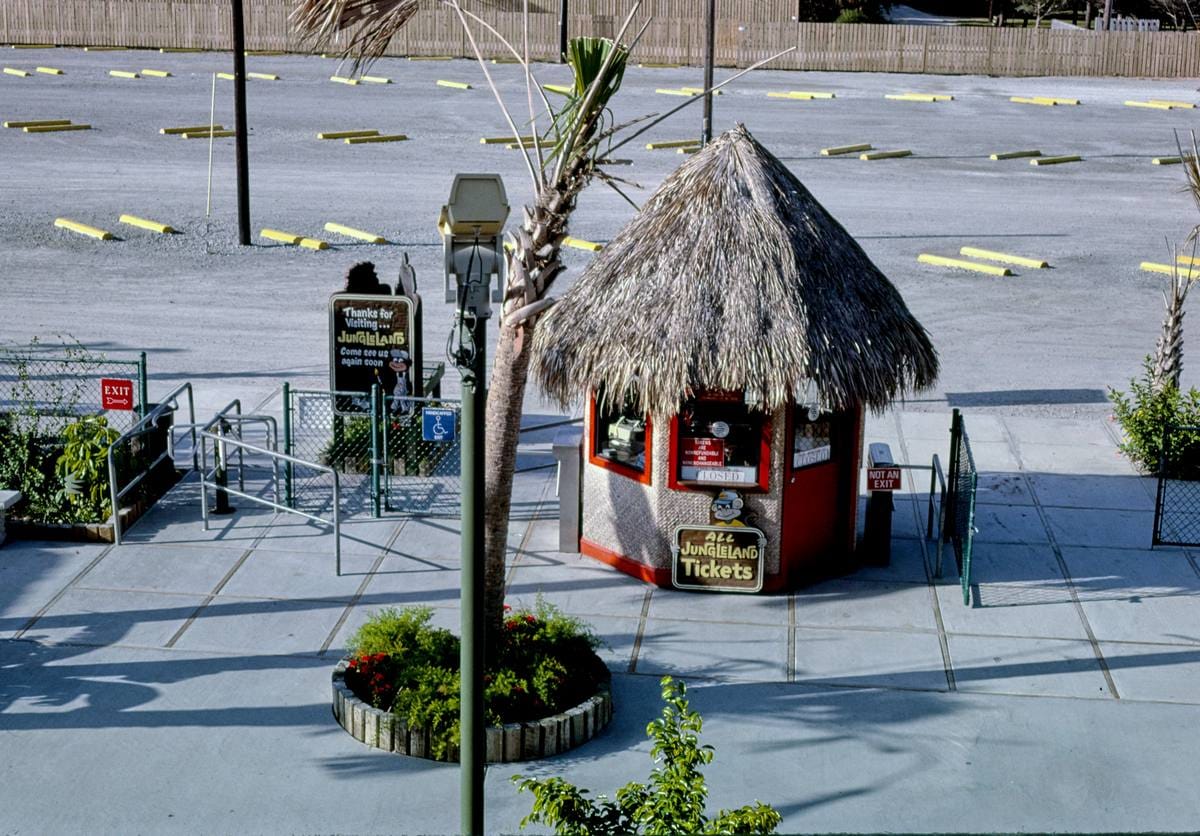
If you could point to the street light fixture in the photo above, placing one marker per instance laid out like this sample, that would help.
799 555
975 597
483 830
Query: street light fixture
471 224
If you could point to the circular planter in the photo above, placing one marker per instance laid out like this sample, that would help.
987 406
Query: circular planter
511 742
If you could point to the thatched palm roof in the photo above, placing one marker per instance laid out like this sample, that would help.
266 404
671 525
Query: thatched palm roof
732 276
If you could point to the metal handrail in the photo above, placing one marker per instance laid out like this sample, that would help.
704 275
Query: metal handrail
168 404
221 439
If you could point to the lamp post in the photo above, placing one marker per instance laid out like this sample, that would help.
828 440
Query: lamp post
239 116
562 31
709 38
470 224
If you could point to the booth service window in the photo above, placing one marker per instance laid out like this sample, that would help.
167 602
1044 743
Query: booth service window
620 434
720 442
811 440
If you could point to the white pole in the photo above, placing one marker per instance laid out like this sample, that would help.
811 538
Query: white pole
212 122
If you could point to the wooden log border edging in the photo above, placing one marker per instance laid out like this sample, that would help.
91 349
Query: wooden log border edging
511 742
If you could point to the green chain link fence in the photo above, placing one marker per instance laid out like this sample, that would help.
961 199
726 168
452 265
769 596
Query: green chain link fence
333 429
963 478
55 427
387 457
1177 501
422 457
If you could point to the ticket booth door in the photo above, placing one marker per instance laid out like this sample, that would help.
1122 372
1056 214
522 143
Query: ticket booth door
819 493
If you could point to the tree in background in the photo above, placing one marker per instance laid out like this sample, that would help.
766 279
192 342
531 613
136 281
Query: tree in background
1181 14
1040 9
843 11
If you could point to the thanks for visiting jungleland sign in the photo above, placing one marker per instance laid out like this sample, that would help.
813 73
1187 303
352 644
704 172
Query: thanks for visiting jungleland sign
717 558
370 342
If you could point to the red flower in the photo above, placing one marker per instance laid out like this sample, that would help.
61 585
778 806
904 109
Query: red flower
530 619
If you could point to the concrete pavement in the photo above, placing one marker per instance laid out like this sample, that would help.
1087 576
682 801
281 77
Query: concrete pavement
180 683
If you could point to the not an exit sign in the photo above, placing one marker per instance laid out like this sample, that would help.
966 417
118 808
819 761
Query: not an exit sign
883 478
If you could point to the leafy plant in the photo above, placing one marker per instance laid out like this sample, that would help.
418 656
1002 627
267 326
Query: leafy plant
353 444
41 390
83 469
853 16
401 663
1146 412
672 802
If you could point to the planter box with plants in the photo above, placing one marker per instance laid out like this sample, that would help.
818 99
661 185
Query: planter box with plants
63 479
547 691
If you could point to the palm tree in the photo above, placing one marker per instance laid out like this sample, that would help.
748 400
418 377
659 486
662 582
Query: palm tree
563 160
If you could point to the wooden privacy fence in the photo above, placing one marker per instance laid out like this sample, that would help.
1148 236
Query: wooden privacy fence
747 31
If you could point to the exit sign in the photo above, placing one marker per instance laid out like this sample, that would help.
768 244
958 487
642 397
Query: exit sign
883 478
116 393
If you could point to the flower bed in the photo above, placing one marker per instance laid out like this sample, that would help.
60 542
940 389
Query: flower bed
546 692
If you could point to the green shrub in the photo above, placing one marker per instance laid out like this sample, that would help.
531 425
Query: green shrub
672 802
546 664
853 16
83 469
1144 414
27 464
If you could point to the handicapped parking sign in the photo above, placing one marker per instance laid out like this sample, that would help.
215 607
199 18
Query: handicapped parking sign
437 423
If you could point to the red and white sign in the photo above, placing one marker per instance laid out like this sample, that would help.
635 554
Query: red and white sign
116 393
883 478
702 452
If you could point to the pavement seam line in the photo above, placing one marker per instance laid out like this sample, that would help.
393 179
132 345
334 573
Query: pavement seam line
362 588
1015 447
208 599
191 619
46 607
641 630
943 642
791 638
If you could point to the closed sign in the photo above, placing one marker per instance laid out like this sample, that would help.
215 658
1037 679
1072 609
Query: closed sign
883 478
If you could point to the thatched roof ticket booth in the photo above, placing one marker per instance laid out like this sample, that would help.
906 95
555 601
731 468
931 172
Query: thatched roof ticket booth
728 341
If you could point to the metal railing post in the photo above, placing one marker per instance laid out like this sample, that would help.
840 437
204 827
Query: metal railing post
115 499
204 480
241 452
221 475
337 523
287 444
376 461
143 394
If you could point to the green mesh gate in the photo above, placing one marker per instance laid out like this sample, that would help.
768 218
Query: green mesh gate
338 430
422 456
1177 501
387 457
963 480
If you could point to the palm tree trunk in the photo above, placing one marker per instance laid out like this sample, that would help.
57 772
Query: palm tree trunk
506 396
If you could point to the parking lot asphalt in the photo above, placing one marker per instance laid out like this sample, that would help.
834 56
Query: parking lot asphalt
239 318
179 683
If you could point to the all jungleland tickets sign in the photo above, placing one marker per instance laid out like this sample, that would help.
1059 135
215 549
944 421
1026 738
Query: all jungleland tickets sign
370 341
717 558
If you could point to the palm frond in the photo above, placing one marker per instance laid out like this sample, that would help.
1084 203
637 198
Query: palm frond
373 24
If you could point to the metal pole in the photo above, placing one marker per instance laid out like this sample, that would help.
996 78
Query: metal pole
562 31
212 121
143 395
376 428
239 116
709 38
288 469
471 660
